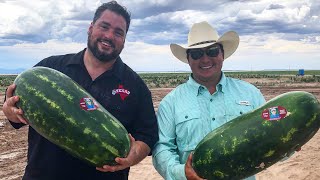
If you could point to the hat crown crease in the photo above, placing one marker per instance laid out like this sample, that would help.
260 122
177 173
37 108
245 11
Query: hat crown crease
202 33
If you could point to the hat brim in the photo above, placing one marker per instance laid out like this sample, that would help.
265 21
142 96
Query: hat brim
229 41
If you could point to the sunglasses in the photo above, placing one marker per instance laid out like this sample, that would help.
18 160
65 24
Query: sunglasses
198 53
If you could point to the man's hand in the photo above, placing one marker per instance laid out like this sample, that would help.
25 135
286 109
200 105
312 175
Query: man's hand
138 151
10 110
190 173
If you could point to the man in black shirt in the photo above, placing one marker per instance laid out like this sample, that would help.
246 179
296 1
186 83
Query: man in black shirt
100 70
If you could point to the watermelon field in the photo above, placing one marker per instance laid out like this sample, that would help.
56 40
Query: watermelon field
304 164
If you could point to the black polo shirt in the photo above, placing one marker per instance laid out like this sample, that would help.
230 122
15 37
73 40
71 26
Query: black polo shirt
121 91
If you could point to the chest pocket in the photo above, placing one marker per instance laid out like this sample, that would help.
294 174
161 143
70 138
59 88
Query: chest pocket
188 129
238 107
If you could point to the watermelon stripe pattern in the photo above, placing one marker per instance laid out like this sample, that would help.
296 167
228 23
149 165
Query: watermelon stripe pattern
250 143
51 103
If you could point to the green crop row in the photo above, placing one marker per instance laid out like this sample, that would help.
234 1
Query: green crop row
6 80
162 80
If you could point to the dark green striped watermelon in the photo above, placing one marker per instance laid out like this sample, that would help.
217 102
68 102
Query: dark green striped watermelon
68 116
256 140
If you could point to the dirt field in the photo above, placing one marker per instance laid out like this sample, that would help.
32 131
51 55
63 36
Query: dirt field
303 165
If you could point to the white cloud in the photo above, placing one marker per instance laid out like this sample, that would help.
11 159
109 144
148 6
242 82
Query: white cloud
148 57
44 19
135 3
290 11
276 44
278 31
18 20
25 55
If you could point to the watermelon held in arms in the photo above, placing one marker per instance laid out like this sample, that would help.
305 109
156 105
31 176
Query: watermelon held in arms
68 116
256 140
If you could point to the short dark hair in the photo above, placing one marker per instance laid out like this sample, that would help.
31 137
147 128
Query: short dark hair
114 7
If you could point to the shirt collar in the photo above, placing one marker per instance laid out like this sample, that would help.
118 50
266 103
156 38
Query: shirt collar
117 69
222 83
77 59
196 88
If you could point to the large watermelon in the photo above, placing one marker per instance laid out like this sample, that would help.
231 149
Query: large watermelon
256 140
68 116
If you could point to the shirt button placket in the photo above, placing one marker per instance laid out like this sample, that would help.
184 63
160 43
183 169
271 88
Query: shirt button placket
213 117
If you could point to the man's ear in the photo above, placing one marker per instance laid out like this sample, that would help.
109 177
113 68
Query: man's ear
187 56
222 51
90 28
189 62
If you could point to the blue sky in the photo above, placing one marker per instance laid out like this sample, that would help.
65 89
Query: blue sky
274 34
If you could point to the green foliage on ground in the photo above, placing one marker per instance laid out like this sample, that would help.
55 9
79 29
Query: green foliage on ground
161 80
170 80
5 81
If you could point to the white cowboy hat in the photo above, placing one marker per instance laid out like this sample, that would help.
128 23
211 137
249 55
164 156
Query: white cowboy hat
203 35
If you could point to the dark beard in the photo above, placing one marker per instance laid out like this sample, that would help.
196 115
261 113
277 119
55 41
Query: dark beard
101 56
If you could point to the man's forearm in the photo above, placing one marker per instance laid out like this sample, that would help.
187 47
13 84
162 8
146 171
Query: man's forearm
140 150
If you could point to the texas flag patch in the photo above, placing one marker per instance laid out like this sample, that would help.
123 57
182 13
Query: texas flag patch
121 91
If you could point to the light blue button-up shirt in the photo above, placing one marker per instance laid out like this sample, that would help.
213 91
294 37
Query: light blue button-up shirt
188 113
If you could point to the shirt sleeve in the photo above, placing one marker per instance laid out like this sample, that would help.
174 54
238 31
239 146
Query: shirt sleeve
165 156
145 129
260 100
251 178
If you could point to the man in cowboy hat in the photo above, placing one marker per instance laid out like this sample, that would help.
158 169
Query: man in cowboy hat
206 101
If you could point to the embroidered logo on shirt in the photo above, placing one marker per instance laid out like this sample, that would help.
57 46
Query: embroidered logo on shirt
121 91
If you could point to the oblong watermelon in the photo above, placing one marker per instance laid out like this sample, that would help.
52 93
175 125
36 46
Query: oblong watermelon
256 140
68 116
